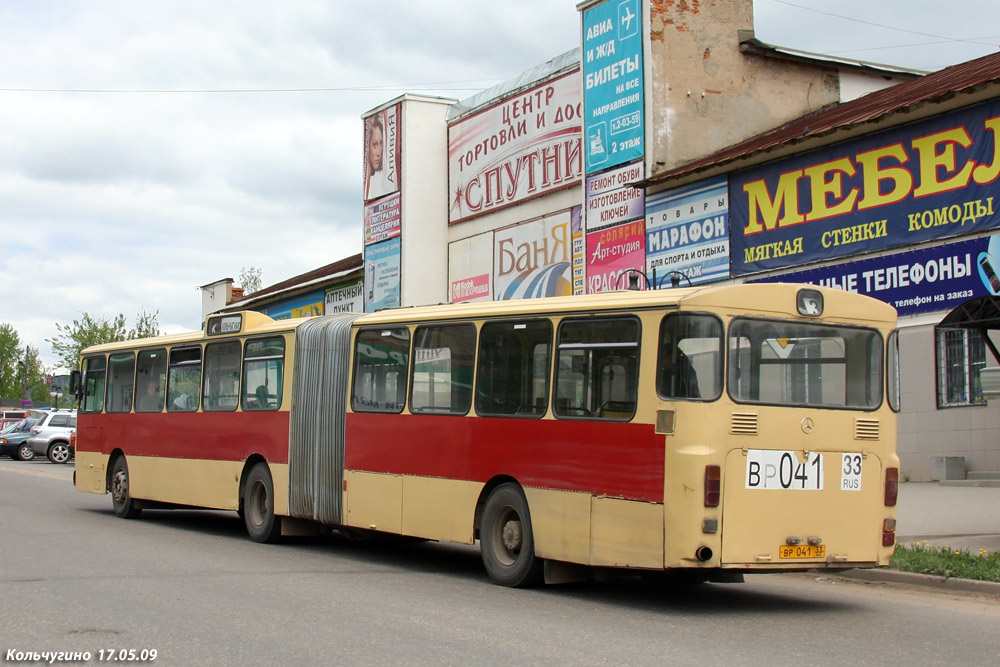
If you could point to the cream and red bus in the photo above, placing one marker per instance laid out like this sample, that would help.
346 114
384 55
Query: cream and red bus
705 431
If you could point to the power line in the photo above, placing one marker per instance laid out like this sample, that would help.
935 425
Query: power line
889 27
428 86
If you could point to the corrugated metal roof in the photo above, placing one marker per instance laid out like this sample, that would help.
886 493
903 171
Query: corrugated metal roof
340 268
944 85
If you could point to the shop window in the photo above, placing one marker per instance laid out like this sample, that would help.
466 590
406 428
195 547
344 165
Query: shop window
961 354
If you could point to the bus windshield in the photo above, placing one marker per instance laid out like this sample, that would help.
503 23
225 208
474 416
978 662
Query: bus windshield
791 363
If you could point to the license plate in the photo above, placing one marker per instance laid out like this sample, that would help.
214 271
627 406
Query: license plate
817 551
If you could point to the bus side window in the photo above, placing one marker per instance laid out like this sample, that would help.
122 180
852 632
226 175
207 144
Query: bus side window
381 361
443 361
513 376
184 379
151 369
121 378
94 370
597 370
221 391
690 357
263 374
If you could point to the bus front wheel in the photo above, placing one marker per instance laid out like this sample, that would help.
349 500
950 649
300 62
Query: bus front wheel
258 506
125 506
506 542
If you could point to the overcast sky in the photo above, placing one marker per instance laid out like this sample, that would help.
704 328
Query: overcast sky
147 148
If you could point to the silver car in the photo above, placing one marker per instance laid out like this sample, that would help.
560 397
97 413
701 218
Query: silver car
50 435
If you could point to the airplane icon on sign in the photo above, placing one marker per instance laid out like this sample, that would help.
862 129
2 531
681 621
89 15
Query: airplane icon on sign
627 18
627 23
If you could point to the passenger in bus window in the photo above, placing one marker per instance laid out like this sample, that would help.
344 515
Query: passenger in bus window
678 378
151 400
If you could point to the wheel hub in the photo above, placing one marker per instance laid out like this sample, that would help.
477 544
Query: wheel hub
119 486
512 535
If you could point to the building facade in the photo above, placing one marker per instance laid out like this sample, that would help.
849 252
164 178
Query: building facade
672 148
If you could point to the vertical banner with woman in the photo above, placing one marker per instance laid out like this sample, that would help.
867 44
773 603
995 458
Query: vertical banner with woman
382 155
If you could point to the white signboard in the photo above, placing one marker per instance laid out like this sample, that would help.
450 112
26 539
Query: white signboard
527 145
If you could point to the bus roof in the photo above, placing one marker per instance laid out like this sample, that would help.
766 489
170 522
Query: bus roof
764 299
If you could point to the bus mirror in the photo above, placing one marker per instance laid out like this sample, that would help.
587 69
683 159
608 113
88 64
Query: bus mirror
74 383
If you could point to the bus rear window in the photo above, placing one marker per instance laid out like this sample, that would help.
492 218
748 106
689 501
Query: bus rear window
792 363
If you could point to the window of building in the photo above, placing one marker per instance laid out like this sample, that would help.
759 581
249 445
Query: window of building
221 389
961 354
443 359
184 379
263 374
121 379
514 360
597 371
381 358
150 380
94 371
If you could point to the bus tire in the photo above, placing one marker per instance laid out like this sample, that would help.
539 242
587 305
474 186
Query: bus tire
125 506
506 542
258 506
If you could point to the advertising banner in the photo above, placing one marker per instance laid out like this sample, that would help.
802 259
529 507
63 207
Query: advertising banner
303 305
524 146
687 233
382 152
926 180
347 299
612 254
382 275
917 281
535 259
609 199
382 220
470 268
612 74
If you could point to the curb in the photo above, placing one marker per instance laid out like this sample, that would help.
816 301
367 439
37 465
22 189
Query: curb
926 580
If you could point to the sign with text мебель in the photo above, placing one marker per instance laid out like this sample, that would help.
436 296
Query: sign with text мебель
927 180
612 84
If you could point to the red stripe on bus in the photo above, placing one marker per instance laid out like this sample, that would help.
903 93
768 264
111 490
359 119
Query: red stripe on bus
603 458
215 436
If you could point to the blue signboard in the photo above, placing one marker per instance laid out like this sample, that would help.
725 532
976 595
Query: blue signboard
687 233
303 305
382 275
917 281
927 180
612 84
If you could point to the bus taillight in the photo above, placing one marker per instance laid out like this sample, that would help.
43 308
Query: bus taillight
891 486
713 485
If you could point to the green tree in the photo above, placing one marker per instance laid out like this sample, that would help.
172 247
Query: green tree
21 372
250 279
90 330
10 358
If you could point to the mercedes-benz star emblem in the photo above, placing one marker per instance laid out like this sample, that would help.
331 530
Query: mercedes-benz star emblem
807 425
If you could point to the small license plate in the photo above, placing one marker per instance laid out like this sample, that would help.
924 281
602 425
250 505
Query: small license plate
810 551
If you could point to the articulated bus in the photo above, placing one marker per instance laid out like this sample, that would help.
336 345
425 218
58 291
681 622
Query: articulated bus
703 431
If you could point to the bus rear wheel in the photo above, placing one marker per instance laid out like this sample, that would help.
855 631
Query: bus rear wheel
506 543
125 506
258 506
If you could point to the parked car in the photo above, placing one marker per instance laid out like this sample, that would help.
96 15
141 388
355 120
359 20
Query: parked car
50 436
14 443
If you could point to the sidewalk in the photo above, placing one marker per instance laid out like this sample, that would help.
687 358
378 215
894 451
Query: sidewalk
960 517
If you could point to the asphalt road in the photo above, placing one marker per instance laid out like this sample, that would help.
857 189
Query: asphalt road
194 588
